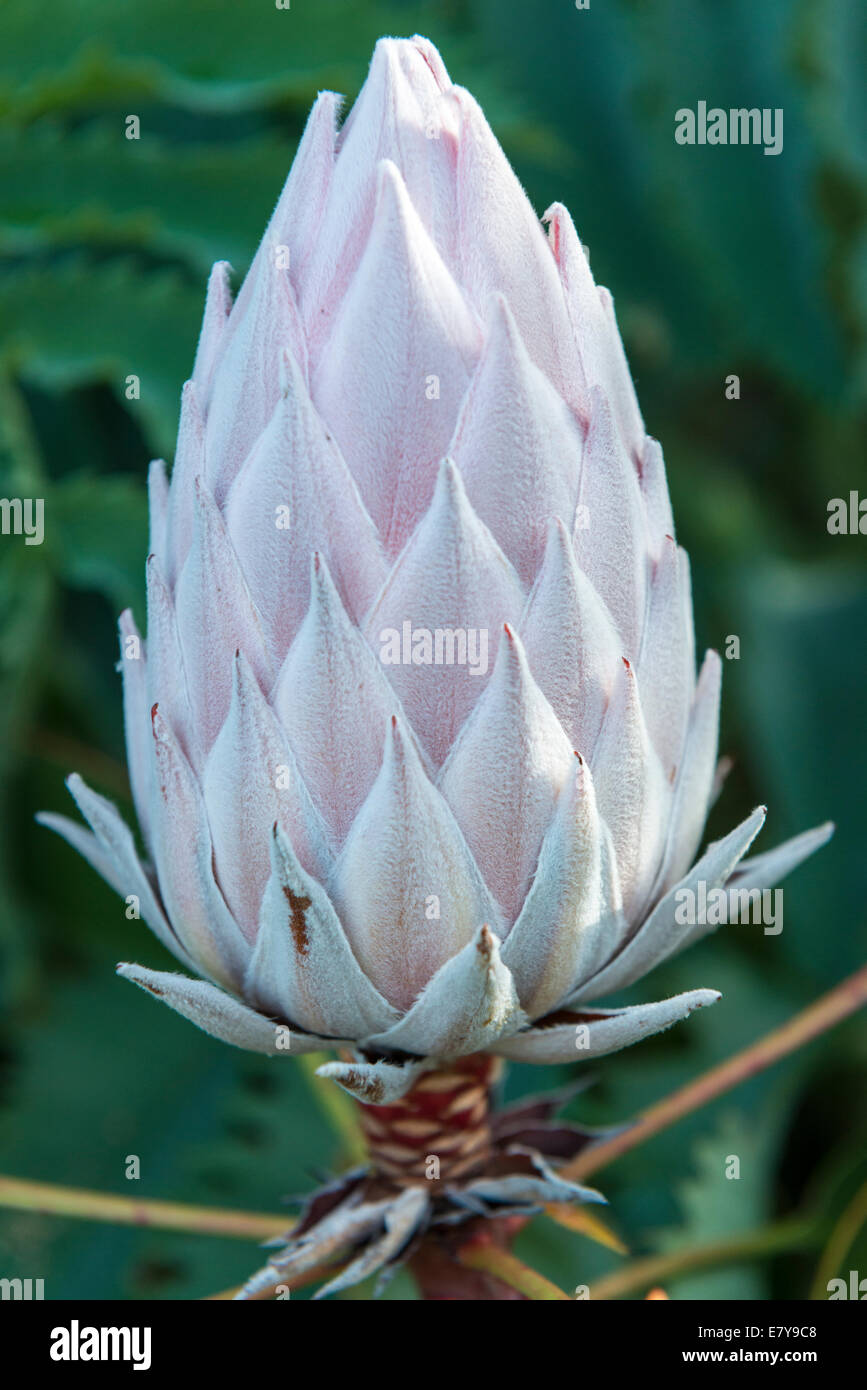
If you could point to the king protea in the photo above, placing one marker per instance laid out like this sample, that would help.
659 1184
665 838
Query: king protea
418 750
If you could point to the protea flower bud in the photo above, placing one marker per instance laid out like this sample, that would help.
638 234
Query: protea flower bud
418 751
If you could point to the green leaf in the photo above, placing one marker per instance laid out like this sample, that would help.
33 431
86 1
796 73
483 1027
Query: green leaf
200 202
26 603
101 1074
798 688
81 322
99 534
208 55
213 45
730 1191
720 252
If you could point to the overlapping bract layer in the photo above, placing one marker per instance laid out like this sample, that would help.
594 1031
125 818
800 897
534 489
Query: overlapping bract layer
415 426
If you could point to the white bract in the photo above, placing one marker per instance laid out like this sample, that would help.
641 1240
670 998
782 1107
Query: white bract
414 426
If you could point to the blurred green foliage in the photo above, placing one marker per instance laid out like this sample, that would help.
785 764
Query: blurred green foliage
723 261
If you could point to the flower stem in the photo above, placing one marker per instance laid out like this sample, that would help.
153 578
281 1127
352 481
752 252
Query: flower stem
825 1013
50 1200
840 1242
796 1233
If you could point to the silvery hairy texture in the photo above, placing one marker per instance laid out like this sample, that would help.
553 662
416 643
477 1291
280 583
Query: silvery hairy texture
417 411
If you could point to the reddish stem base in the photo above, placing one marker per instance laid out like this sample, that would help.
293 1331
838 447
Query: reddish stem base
440 1130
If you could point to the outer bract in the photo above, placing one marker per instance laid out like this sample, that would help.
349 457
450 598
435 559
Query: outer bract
417 747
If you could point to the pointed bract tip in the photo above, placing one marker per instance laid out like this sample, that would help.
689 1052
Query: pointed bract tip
288 369
391 194
486 942
556 218
448 470
322 586
429 52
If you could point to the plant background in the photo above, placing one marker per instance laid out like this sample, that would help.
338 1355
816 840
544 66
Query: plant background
721 260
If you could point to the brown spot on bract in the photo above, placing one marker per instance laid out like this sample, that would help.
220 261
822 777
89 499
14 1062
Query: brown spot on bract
370 1089
297 919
